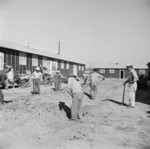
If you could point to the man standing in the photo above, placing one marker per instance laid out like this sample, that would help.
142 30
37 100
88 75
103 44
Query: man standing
57 78
77 94
132 80
37 79
94 82
17 78
3 78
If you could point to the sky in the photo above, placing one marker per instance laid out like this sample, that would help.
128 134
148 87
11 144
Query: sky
98 32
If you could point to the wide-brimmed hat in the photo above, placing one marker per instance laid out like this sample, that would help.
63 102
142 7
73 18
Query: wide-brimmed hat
72 75
37 68
94 69
57 71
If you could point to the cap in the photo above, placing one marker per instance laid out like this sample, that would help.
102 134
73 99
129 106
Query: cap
37 68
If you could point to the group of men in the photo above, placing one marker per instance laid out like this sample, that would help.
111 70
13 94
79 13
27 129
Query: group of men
37 78
94 79
74 87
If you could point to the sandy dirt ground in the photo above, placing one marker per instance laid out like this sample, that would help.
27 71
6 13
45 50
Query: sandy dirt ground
41 121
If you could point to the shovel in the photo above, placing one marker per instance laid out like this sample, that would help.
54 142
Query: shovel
123 95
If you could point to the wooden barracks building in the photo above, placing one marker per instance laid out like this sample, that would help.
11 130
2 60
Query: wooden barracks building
24 58
121 71
148 69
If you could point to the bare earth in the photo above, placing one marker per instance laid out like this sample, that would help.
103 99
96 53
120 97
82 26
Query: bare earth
40 121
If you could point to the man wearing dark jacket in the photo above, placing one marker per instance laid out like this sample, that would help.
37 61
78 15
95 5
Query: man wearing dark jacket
3 78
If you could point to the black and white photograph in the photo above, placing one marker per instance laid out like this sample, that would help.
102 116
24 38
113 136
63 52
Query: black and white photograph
74 74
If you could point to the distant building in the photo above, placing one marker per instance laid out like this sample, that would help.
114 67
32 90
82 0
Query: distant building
25 58
148 69
120 71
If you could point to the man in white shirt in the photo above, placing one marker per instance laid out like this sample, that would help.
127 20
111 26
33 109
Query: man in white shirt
132 80
10 76
37 79
94 82
57 78
77 94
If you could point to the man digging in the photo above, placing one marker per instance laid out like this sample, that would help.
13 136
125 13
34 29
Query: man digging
77 97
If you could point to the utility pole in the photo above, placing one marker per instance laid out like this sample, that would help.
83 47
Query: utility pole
59 48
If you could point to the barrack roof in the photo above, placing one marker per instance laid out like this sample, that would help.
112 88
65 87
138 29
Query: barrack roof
10 45
121 66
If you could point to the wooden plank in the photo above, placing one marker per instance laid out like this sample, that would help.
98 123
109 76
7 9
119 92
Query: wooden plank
1 49
24 68
59 65
17 61
5 56
70 68
9 57
29 62
21 69
33 68
39 60
14 60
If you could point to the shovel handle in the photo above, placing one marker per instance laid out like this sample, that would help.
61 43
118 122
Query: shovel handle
123 94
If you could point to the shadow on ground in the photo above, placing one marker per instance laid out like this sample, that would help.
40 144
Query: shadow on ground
116 102
88 95
56 90
64 107
5 102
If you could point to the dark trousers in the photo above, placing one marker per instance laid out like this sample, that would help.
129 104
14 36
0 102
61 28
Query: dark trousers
94 90
1 97
76 112
57 85
36 86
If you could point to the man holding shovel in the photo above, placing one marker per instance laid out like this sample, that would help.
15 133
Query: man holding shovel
94 82
37 79
75 89
57 78
132 81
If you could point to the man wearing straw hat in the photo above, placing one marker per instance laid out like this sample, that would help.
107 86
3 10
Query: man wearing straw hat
132 81
57 78
37 79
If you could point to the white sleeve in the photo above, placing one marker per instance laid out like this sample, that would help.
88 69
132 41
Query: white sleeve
69 83
100 76
135 76
33 75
